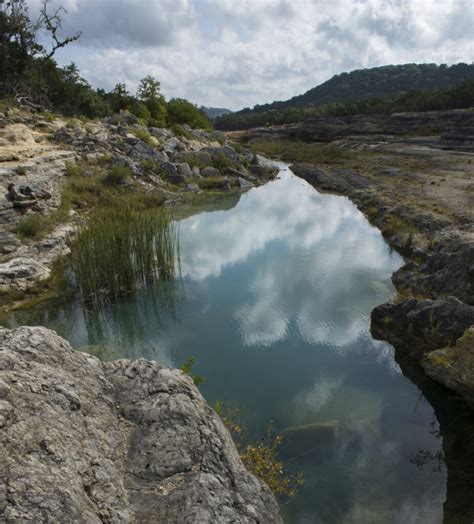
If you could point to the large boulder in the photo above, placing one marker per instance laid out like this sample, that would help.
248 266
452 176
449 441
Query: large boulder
89 442
141 151
224 154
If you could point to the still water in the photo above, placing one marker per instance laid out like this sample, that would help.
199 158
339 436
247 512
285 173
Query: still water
274 302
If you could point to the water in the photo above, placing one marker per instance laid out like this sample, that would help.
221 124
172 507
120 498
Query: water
274 303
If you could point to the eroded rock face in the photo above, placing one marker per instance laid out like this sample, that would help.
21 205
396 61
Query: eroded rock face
85 441
422 325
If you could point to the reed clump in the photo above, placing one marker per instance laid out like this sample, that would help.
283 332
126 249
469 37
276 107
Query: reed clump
120 250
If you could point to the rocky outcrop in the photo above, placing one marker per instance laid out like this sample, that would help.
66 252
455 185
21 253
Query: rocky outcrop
455 127
422 325
86 441
453 366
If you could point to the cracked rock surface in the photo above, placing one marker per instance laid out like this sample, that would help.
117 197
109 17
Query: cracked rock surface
86 441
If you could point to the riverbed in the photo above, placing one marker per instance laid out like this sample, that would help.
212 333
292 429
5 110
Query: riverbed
273 300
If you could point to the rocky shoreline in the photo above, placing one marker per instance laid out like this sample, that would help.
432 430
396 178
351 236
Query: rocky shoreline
88 441
419 193
35 154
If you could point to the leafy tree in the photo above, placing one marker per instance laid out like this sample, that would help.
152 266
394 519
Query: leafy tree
180 111
120 98
150 95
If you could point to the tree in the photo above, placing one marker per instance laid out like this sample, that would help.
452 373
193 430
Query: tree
150 95
20 48
120 98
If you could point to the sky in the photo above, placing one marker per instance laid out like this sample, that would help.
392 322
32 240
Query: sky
238 53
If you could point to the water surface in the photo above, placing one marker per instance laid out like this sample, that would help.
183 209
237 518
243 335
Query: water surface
274 302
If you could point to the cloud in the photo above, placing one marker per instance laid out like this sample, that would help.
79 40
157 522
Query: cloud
238 53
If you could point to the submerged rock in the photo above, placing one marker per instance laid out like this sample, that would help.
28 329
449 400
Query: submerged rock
87 441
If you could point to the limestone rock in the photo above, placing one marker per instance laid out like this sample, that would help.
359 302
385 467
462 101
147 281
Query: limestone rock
22 272
90 442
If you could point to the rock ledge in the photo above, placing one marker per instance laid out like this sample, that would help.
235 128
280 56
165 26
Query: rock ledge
86 441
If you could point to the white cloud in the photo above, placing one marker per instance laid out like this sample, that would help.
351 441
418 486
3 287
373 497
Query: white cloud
238 53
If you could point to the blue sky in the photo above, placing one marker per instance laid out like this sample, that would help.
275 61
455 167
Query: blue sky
237 53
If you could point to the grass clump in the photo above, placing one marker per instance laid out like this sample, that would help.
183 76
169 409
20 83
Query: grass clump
180 131
122 249
31 226
222 162
117 176
145 136
211 182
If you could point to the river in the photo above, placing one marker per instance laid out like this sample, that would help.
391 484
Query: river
274 302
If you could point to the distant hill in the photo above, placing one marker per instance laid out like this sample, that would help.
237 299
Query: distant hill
354 86
214 112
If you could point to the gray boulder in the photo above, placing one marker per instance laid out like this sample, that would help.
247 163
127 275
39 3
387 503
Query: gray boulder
210 172
261 166
184 169
422 325
244 184
228 153
168 168
90 442
194 158
142 151
177 179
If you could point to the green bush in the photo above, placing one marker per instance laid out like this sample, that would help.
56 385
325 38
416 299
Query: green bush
181 112
179 130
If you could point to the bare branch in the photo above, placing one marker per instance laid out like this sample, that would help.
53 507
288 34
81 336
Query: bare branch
52 23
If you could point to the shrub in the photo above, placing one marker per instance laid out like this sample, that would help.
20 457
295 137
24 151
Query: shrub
261 458
73 170
31 226
180 131
20 171
181 111
222 162
187 368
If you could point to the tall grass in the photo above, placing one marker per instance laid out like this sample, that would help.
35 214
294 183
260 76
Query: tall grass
120 250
